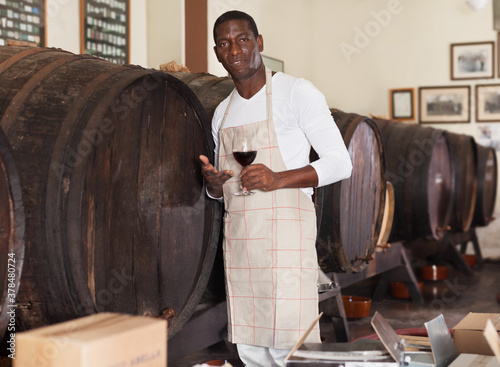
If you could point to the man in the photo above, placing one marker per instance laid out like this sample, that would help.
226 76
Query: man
269 248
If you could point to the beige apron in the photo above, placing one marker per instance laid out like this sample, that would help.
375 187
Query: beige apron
270 259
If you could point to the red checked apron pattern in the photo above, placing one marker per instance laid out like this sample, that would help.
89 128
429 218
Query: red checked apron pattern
269 248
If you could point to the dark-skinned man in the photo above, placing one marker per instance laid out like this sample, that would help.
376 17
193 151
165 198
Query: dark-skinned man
270 259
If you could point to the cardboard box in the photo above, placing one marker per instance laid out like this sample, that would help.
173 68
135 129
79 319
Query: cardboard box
468 333
475 360
100 340
493 339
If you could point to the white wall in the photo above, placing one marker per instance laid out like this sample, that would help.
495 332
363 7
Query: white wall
138 33
408 46
165 32
63 25
156 29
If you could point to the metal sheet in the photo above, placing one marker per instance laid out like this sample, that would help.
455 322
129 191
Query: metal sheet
443 348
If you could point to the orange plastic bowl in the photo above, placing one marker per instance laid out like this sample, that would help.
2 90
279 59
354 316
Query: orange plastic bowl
400 290
434 272
356 307
222 362
471 260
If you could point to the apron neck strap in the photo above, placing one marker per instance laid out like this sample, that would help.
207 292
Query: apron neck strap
269 94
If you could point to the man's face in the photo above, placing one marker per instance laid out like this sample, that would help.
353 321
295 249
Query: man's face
237 49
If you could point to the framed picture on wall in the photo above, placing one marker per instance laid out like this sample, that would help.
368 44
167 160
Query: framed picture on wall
450 104
22 22
273 64
488 103
105 29
402 104
472 60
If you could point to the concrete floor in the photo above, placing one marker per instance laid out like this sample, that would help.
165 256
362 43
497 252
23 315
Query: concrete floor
454 297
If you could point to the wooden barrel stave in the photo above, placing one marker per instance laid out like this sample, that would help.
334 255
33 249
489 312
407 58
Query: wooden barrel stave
104 241
12 227
433 192
352 210
403 193
463 150
440 187
487 176
209 90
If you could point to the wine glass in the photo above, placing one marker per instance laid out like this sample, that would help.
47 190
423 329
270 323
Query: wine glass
244 151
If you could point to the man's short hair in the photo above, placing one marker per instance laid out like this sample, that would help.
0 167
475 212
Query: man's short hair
236 15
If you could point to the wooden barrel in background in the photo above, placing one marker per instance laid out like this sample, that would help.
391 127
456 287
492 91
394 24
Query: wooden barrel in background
350 212
419 168
11 234
464 158
487 177
116 214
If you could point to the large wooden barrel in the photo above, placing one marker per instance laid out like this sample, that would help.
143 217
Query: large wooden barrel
11 235
463 151
487 177
419 168
350 212
116 213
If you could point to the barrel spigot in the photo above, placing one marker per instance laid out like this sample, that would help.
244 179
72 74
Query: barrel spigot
167 314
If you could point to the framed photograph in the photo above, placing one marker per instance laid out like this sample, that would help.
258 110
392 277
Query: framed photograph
472 60
105 29
402 104
444 104
22 23
273 64
488 103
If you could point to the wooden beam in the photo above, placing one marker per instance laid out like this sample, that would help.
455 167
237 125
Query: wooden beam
196 35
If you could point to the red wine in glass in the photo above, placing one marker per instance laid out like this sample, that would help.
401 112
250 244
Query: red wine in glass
244 151
245 158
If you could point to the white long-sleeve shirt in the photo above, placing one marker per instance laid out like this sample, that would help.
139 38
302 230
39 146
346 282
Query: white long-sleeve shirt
301 118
